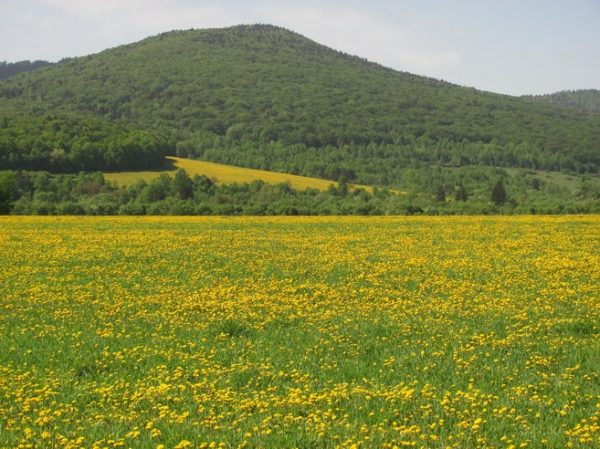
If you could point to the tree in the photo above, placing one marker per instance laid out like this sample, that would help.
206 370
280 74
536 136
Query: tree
441 194
7 185
499 195
342 186
182 185
461 194
158 189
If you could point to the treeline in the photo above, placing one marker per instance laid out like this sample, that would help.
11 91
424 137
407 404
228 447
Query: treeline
587 100
68 144
489 191
375 163
8 69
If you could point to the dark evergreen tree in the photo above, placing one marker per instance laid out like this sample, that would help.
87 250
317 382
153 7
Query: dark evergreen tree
441 194
182 185
461 194
342 186
499 195
7 185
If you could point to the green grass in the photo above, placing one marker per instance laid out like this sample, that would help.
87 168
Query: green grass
571 182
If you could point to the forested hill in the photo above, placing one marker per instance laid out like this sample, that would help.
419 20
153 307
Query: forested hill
587 100
264 97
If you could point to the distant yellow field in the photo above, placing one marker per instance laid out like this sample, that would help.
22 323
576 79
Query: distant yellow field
223 174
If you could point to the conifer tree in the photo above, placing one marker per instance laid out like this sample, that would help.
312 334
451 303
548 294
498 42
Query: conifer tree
6 192
441 194
499 195
461 194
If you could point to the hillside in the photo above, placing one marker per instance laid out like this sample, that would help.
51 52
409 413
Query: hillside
71 143
267 98
587 100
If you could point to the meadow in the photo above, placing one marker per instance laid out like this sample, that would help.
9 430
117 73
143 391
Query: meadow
466 332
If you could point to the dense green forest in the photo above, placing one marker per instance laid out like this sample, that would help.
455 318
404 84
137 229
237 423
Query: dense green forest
587 100
69 144
8 69
263 97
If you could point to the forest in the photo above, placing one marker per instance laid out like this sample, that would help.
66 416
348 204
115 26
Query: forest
8 69
587 100
70 144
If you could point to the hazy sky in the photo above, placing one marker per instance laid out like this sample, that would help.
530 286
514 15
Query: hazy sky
513 47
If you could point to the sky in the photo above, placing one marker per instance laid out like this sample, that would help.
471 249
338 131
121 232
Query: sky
513 47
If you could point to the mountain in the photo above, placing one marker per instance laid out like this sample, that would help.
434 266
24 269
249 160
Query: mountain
587 100
260 96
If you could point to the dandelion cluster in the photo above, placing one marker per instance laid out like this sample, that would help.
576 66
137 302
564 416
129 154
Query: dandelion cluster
305 332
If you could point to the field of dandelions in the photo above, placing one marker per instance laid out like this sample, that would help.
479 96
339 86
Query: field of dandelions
470 332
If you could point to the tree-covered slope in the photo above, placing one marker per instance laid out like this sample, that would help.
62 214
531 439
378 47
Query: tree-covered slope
8 69
68 143
264 97
587 100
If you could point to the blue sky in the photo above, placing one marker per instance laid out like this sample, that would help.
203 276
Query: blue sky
515 47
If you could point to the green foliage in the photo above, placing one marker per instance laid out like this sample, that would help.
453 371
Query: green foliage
69 143
8 69
461 193
498 195
342 187
182 185
441 194
264 97
42 193
587 100
6 192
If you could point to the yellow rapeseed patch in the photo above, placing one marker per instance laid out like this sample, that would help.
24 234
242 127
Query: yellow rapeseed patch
225 174
478 332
